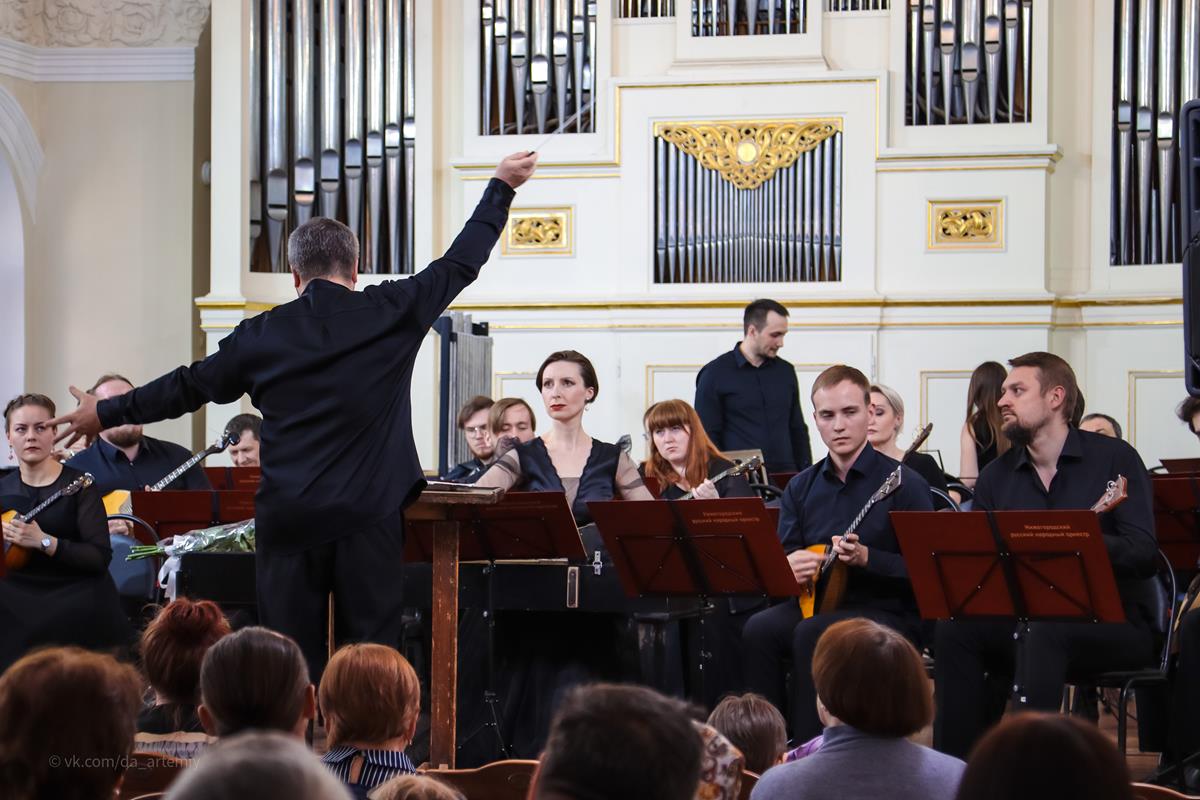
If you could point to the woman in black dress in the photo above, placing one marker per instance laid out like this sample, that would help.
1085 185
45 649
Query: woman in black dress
683 459
883 430
63 594
544 653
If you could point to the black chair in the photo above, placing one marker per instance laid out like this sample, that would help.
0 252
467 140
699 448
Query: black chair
137 581
943 501
1128 680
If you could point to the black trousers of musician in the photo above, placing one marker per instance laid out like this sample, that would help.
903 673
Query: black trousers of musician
978 663
781 633
361 571
1185 690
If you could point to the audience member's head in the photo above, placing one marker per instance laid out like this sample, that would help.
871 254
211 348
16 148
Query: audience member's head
67 721
255 678
1039 392
473 421
764 324
721 765
1102 424
1045 757
612 742
370 698
754 726
258 764
512 416
1189 414
415 787
173 647
983 405
248 429
871 678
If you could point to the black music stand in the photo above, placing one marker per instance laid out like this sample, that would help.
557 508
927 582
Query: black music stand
522 526
1018 565
1177 519
695 548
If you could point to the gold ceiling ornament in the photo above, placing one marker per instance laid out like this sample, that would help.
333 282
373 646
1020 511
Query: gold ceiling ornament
747 154
538 231
966 225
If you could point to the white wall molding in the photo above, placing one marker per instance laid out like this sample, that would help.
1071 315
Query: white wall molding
18 140
96 64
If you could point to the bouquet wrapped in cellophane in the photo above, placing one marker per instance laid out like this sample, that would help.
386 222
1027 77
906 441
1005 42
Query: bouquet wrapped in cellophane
232 537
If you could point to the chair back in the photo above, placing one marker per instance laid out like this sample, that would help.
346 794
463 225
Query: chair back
943 501
499 780
749 779
1166 573
150 772
134 579
151 796
1148 791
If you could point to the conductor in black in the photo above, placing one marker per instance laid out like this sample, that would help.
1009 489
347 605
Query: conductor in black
330 373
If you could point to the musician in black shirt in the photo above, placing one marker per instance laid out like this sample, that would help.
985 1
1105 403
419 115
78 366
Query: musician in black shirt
1051 465
818 506
473 422
330 372
749 398
123 457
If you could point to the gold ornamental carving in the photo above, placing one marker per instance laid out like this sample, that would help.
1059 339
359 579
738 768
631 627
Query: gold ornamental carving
966 225
747 154
542 231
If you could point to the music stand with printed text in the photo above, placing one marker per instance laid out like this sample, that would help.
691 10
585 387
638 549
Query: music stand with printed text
224 479
1177 518
1020 565
695 549
451 523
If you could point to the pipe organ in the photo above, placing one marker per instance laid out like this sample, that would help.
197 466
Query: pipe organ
748 202
637 9
968 62
465 370
1157 70
335 134
748 17
856 5
537 66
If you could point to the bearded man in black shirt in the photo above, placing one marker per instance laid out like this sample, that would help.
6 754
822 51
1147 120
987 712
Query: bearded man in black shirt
1051 465
331 373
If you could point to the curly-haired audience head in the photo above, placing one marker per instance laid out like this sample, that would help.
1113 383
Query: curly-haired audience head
258 764
255 678
370 696
610 742
1045 757
754 726
870 677
67 719
173 647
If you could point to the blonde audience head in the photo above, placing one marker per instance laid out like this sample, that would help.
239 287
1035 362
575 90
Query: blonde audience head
258 764
415 787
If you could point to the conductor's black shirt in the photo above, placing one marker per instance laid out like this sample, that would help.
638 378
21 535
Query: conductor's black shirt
1087 463
744 407
330 372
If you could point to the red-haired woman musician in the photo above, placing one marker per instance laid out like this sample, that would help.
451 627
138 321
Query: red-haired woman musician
683 459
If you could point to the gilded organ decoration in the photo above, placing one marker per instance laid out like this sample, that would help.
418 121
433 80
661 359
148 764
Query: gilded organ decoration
966 225
538 231
748 201
747 154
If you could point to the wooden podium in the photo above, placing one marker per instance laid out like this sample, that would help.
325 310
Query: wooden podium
442 513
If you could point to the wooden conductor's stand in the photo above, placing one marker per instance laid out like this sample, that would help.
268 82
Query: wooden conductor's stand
441 513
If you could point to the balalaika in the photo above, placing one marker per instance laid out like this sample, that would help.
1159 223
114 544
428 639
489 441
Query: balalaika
117 502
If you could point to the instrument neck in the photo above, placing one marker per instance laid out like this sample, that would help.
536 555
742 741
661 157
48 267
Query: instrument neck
171 476
40 507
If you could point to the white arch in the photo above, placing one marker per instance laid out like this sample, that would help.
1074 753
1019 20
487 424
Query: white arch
18 140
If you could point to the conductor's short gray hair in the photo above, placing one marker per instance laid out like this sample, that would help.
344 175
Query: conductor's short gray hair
258 764
321 247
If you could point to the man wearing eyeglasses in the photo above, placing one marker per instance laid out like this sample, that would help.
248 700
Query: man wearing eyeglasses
473 421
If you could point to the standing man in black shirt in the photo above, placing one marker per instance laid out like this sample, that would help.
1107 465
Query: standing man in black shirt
818 506
331 374
749 398
1051 465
